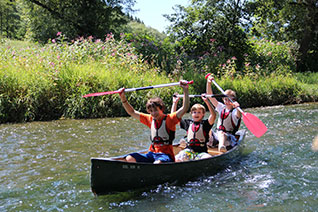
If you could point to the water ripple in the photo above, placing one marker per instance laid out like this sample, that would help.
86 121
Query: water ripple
45 166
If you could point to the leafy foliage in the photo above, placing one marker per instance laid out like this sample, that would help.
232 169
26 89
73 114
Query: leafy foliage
48 82
10 20
287 20
42 19
210 28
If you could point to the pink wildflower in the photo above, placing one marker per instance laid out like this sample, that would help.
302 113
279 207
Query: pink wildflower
58 33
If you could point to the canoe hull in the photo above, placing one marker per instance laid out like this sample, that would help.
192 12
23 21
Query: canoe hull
109 175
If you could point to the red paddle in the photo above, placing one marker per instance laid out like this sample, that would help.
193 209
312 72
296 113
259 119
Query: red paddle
254 124
137 89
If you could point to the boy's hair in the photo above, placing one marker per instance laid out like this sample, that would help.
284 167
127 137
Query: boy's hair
198 107
231 94
154 103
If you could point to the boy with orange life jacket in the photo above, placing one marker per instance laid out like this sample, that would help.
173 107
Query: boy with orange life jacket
229 118
162 127
197 131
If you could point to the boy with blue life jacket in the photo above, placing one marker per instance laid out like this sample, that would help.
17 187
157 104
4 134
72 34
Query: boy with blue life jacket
162 127
229 118
197 131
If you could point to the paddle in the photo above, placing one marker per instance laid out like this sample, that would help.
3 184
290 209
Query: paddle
136 89
198 95
254 124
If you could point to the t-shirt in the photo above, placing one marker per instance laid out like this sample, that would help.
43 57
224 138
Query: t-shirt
171 121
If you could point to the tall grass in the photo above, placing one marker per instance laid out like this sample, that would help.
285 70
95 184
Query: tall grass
48 82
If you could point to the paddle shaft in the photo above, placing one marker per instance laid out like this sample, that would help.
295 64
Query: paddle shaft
155 86
137 89
198 95
217 85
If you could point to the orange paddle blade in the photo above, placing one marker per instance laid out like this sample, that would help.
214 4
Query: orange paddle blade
254 124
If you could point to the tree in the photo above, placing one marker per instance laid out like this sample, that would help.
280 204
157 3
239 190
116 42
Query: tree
213 26
287 20
9 19
76 17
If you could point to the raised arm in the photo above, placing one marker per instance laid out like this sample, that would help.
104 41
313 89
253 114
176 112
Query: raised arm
175 101
129 109
209 91
212 116
186 101
238 112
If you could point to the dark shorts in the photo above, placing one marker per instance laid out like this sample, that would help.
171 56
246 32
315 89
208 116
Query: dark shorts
151 157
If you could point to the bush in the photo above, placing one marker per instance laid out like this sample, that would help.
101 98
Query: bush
265 91
43 83
48 82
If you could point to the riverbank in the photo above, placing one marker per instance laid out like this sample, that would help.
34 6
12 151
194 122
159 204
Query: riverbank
47 82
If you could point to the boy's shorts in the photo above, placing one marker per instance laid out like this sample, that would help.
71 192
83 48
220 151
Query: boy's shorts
230 142
151 157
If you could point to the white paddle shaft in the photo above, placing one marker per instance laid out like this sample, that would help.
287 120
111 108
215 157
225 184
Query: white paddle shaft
228 97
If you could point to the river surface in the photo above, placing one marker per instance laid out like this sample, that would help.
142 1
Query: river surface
45 166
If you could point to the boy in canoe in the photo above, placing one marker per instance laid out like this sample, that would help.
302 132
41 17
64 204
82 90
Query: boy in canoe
229 117
197 131
162 127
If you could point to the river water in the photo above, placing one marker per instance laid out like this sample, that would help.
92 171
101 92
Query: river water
45 166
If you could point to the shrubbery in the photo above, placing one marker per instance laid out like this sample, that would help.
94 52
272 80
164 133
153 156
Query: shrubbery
48 82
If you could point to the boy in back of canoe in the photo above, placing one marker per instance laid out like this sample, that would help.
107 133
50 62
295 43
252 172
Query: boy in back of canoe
197 131
162 127
229 117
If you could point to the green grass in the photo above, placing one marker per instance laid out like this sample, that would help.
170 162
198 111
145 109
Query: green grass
48 82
